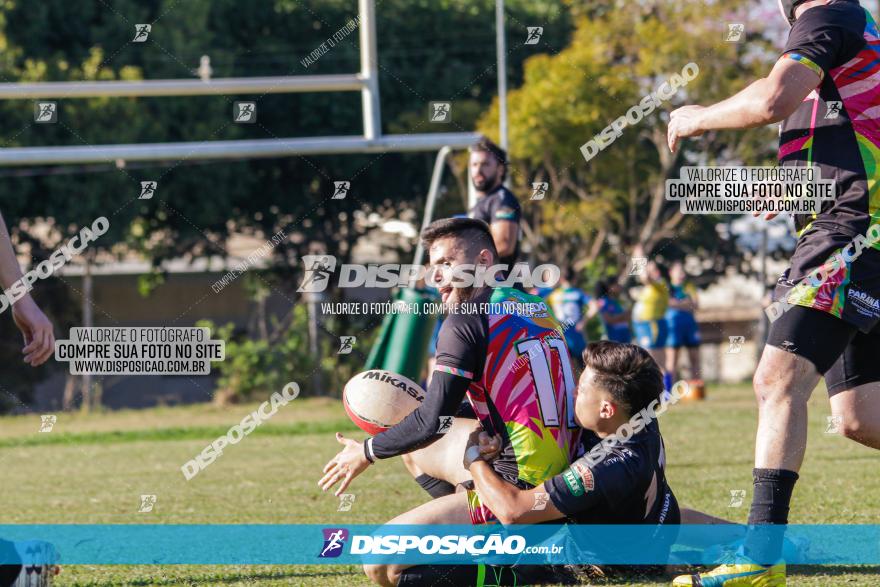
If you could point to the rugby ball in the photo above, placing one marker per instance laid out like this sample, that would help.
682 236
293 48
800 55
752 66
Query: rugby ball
376 399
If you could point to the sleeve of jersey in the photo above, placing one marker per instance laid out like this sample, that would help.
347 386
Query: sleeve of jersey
815 42
506 209
582 487
458 350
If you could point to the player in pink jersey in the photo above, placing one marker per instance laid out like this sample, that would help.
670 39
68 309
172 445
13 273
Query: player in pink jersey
504 351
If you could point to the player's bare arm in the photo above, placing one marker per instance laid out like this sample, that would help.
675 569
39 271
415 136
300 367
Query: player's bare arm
504 233
765 101
510 504
35 327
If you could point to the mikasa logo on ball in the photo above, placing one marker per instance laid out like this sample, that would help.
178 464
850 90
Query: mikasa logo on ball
385 377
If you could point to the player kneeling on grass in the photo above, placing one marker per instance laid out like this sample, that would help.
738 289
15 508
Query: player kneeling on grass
626 486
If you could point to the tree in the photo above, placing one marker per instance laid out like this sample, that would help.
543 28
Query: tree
614 59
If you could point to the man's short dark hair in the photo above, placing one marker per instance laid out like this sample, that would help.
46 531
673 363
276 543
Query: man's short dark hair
474 233
627 372
484 145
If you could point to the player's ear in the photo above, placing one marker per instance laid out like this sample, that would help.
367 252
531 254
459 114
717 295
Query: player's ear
607 409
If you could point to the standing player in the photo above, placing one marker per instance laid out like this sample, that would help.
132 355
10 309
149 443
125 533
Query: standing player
510 362
826 88
649 324
496 205
568 303
39 344
615 318
683 331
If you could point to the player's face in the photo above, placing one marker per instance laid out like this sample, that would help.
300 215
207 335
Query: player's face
677 274
485 171
445 255
591 403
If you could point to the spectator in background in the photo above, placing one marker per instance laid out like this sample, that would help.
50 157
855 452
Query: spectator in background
649 323
615 319
683 331
568 302
543 292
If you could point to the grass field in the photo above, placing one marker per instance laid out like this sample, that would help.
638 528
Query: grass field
93 468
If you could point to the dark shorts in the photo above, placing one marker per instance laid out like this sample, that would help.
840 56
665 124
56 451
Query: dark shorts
831 273
844 355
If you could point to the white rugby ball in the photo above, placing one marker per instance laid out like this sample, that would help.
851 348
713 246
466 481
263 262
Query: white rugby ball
376 399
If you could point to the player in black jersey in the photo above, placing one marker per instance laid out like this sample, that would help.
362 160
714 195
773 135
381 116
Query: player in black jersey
624 483
825 89
496 205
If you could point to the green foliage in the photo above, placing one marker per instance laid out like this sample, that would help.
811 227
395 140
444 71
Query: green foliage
428 51
597 210
254 368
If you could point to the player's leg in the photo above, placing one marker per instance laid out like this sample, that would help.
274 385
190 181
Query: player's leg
802 343
694 360
450 509
854 387
438 467
692 342
672 354
858 412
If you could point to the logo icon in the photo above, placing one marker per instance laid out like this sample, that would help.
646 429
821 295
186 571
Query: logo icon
834 424
340 189
736 344
334 540
444 424
346 345
735 32
47 422
346 500
147 503
737 497
318 269
539 190
534 34
148 188
46 112
541 500
441 112
834 108
638 265
244 112
141 32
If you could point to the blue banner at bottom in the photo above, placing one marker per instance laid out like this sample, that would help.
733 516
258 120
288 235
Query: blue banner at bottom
298 544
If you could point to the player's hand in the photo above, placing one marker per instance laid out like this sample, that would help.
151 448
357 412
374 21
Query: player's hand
767 215
684 122
348 464
39 339
481 446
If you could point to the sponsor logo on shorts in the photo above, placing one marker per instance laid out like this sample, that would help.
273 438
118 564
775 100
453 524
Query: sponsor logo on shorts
865 304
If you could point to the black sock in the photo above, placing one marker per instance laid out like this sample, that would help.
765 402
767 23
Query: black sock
435 487
770 504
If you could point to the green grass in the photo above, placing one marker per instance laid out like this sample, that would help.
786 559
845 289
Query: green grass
93 468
